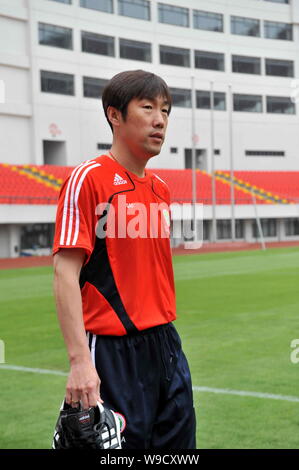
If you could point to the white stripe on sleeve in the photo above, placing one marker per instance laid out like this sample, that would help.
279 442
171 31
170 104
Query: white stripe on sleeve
66 199
77 223
71 203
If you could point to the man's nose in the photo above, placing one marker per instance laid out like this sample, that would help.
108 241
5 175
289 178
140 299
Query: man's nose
159 119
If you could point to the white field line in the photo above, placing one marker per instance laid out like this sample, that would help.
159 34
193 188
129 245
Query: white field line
30 369
225 391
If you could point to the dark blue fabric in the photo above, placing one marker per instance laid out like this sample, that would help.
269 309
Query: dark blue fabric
146 378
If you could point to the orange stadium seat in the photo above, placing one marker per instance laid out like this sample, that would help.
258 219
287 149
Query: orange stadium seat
18 187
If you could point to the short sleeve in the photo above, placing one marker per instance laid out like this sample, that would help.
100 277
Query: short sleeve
76 211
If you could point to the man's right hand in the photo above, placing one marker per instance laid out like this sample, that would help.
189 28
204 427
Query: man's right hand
83 385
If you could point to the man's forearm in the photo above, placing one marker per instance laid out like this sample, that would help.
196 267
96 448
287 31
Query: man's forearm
83 384
69 311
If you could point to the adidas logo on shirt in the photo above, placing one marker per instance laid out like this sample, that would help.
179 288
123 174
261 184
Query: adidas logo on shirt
119 180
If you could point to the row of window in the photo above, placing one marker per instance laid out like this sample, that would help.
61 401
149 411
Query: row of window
93 43
62 83
269 228
180 16
188 162
241 102
42 235
278 1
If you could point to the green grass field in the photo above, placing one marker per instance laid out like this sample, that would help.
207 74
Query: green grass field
237 315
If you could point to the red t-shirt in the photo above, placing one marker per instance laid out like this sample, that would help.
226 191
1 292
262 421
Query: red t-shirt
122 222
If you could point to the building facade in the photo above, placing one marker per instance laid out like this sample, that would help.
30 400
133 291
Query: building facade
226 62
56 56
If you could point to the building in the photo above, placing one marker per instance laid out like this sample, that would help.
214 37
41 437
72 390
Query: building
56 56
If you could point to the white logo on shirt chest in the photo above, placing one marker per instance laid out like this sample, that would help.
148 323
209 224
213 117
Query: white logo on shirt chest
119 180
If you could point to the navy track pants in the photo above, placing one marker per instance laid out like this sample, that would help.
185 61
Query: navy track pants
146 378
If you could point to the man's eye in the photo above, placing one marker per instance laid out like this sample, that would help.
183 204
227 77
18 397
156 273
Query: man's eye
165 111
148 106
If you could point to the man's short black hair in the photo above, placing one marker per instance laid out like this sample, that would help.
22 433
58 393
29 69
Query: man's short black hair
125 86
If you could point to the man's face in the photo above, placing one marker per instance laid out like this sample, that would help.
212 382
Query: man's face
145 126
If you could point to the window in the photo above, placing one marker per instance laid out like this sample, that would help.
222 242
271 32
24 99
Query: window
292 227
135 8
248 103
56 36
101 5
104 146
207 21
223 229
275 30
181 97
93 87
173 15
269 228
63 1
280 68
245 64
209 60
173 150
239 228
277 1
135 50
174 56
35 236
200 155
54 82
245 26
280 105
203 100
97 44
264 153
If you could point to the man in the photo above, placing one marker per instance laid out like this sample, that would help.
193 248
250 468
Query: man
113 280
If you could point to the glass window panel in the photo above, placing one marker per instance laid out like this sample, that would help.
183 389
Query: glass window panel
203 100
207 21
97 44
181 97
101 5
239 228
135 9
135 50
278 1
245 26
93 87
280 68
248 103
56 36
175 56
245 64
209 60
274 30
219 101
63 1
55 82
264 153
292 227
280 105
269 228
171 14
223 229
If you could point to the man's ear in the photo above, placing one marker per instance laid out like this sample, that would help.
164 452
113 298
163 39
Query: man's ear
114 116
